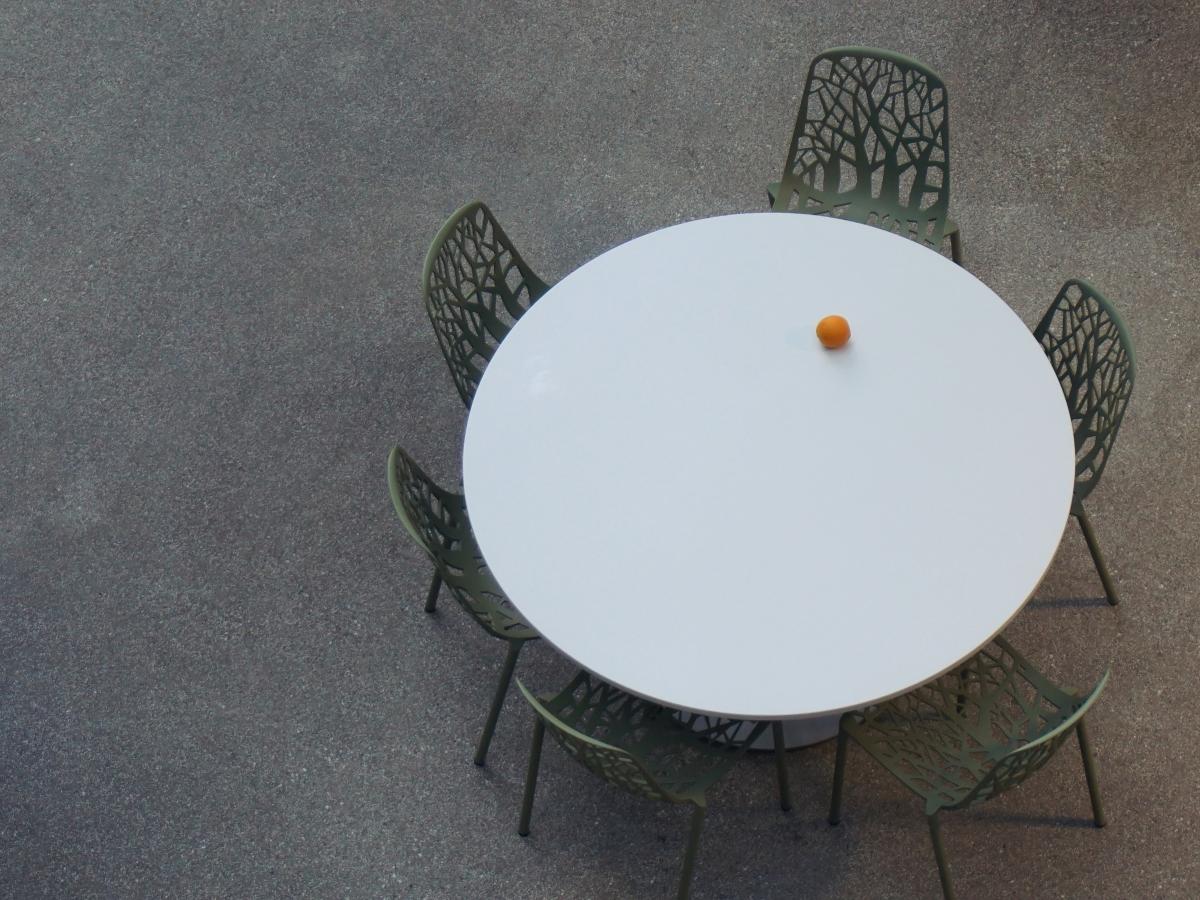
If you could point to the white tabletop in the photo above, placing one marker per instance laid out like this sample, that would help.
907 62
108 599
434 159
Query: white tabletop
690 497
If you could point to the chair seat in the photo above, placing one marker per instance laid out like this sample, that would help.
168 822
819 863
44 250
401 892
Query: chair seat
943 739
685 753
683 761
937 756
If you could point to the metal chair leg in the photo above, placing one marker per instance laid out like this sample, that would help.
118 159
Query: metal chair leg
510 663
1089 771
956 247
689 856
1110 590
839 775
434 589
531 774
939 852
785 794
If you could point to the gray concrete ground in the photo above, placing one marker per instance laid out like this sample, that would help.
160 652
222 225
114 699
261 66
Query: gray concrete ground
216 679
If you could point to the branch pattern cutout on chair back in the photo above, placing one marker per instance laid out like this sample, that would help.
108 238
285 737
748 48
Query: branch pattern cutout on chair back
476 287
871 144
439 518
639 746
1090 351
973 733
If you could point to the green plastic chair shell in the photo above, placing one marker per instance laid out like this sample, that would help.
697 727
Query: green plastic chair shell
641 747
437 520
968 736
1092 355
476 286
872 145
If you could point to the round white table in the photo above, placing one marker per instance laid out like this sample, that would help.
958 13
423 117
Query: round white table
690 497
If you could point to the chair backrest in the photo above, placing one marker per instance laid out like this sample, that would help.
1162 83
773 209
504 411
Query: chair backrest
612 712
476 286
1091 353
872 143
437 520
1019 764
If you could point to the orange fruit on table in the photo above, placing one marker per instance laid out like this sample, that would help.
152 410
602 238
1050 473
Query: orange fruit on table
833 332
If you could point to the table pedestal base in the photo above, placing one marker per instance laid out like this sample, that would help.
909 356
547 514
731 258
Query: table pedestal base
800 733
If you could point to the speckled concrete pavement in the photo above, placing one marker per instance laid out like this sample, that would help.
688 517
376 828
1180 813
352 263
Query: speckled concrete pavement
216 679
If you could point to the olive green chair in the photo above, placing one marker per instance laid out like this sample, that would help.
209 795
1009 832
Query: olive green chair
476 286
646 749
872 145
1092 355
974 733
437 521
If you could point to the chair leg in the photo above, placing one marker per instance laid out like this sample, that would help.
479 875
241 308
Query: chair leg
785 794
434 589
689 856
510 663
939 852
1089 771
1110 590
956 246
531 774
839 775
